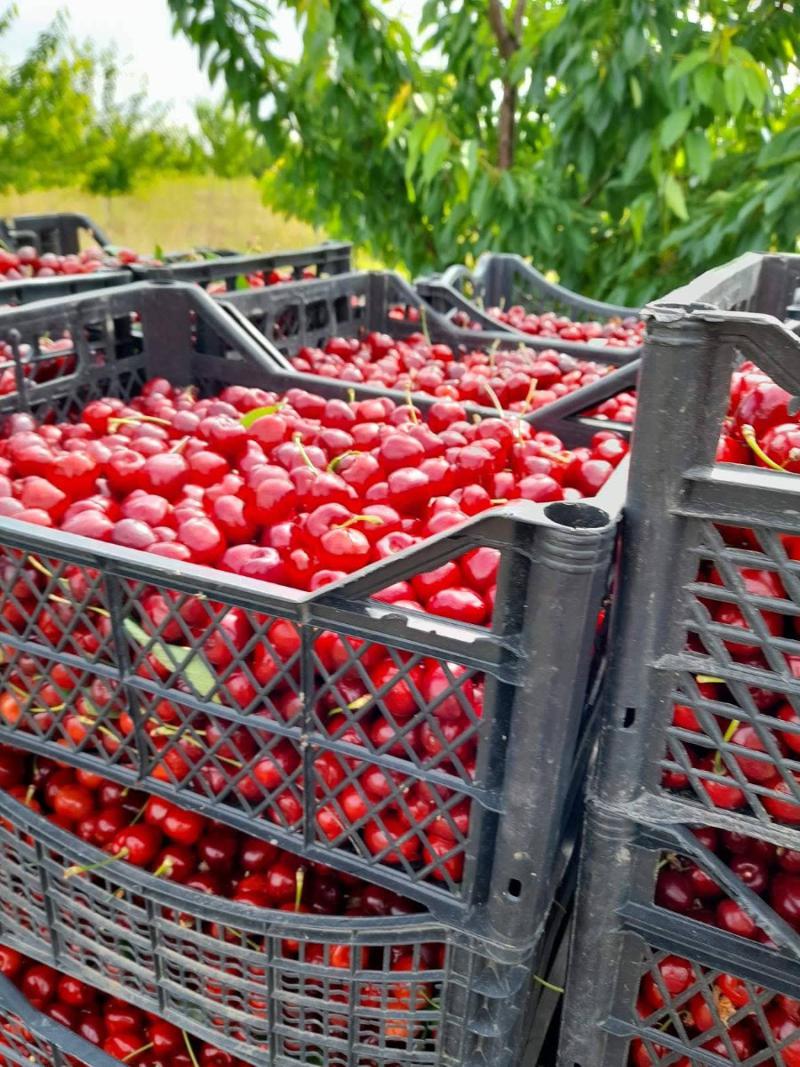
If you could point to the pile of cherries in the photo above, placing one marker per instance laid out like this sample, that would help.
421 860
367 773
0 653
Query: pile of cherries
294 489
132 1036
27 262
702 1011
207 857
758 431
259 279
519 380
615 333
772 872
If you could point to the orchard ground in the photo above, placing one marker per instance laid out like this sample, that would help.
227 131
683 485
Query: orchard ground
179 212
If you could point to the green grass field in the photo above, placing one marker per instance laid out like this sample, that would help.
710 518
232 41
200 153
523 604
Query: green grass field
177 212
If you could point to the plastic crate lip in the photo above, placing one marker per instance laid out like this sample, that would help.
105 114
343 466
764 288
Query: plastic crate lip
48 1030
108 275
447 284
309 292
134 563
227 262
253 302
603 306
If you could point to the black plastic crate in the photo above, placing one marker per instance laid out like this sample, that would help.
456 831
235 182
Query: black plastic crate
684 678
218 271
230 270
291 317
59 232
156 944
503 280
27 290
533 665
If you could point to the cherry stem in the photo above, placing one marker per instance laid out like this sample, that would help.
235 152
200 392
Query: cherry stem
495 399
548 985
370 520
299 879
88 720
334 463
164 868
732 728
71 872
555 457
354 705
130 420
298 440
423 321
493 353
189 1049
248 941
526 403
749 435
412 411
137 1052
179 446
708 679
39 566
351 395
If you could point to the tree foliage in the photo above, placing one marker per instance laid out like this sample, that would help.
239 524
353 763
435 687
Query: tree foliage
62 121
625 143
227 142
65 122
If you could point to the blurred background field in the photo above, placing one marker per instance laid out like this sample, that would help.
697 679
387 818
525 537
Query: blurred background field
177 212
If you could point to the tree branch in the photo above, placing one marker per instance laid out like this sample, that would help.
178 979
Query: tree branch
508 42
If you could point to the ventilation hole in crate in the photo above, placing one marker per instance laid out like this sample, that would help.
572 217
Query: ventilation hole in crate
576 516
630 718
514 888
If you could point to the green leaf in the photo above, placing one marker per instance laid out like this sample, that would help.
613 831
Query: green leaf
698 153
689 63
634 45
705 83
637 157
674 126
509 189
471 157
735 89
173 658
780 193
638 216
158 252
636 91
586 154
435 155
241 282
250 417
754 86
415 139
674 198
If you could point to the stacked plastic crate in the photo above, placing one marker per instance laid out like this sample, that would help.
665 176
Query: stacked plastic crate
687 946
143 660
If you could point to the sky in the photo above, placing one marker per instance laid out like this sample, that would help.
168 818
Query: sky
142 32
